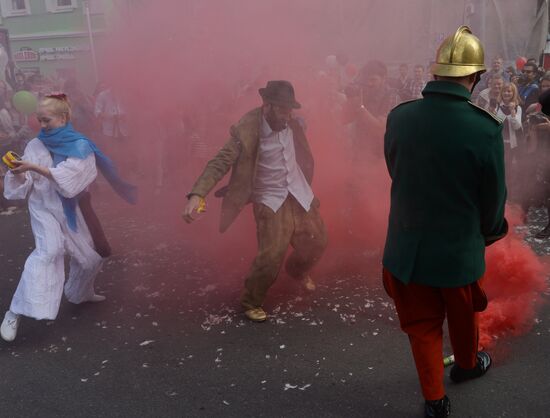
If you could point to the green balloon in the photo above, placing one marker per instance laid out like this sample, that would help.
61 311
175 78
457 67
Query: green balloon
25 102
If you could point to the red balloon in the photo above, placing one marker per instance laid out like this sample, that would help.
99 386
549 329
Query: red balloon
520 62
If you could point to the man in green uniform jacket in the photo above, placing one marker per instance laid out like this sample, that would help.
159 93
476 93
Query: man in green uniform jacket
445 158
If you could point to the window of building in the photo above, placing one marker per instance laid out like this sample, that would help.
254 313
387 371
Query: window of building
15 7
56 6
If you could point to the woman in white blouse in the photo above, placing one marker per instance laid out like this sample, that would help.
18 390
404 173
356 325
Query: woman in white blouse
509 111
55 169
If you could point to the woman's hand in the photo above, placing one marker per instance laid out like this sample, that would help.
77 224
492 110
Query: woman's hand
512 106
23 166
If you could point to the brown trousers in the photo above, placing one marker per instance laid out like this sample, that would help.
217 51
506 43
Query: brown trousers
291 224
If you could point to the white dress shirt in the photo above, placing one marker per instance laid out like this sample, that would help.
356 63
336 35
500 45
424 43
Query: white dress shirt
277 172
113 116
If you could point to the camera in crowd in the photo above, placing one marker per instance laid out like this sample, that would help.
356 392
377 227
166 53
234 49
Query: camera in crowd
538 118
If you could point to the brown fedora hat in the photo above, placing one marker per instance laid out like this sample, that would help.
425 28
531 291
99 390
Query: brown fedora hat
279 92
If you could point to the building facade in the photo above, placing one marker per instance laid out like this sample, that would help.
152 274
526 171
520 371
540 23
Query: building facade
53 38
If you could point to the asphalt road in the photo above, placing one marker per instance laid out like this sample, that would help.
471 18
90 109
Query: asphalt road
170 342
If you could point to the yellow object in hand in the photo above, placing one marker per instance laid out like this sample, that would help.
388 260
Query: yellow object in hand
9 158
202 205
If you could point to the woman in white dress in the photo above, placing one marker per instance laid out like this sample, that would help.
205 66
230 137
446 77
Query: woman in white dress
55 169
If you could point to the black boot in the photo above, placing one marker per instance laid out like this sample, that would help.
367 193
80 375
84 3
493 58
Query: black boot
437 409
458 374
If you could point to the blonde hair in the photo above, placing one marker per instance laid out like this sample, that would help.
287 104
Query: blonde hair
515 94
58 106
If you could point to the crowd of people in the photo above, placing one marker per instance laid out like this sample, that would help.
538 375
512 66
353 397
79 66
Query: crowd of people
513 94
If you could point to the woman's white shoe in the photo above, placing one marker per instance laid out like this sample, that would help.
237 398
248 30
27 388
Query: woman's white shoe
9 326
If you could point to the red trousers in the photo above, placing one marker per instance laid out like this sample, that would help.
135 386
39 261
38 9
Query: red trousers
421 310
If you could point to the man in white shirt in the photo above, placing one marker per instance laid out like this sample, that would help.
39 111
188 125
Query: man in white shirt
489 98
272 167
111 115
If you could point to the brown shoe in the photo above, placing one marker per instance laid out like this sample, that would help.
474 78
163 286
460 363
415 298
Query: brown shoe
309 284
256 314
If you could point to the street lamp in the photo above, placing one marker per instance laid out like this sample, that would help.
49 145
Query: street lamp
86 6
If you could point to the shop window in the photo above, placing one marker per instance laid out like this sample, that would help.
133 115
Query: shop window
56 6
15 8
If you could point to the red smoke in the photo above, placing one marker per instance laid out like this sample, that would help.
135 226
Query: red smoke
514 281
200 64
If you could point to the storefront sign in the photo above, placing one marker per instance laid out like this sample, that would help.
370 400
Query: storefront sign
63 49
62 53
26 55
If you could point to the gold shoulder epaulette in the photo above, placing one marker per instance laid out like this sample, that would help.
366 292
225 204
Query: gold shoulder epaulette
486 112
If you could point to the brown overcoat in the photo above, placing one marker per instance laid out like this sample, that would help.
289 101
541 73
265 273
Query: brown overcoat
240 154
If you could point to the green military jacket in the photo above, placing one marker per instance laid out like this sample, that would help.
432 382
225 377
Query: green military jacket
240 155
445 157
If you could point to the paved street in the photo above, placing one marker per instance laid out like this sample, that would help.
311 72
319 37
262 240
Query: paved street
169 341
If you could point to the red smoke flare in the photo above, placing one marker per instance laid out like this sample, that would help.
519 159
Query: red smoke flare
514 281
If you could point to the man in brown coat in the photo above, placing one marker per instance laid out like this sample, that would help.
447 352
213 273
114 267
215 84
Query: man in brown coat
272 167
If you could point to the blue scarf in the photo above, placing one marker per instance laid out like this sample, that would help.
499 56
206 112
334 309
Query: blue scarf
65 142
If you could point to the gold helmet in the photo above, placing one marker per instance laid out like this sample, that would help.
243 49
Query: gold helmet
459 55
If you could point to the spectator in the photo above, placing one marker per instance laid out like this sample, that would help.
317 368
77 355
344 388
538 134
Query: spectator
533 155
536 107
7 135
512 74
539 134
398 84
413 87
488 99
112 119
20 81
82 117
369 100
496 69
509 111
7 131
540 70
345 76
5 92
528 88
